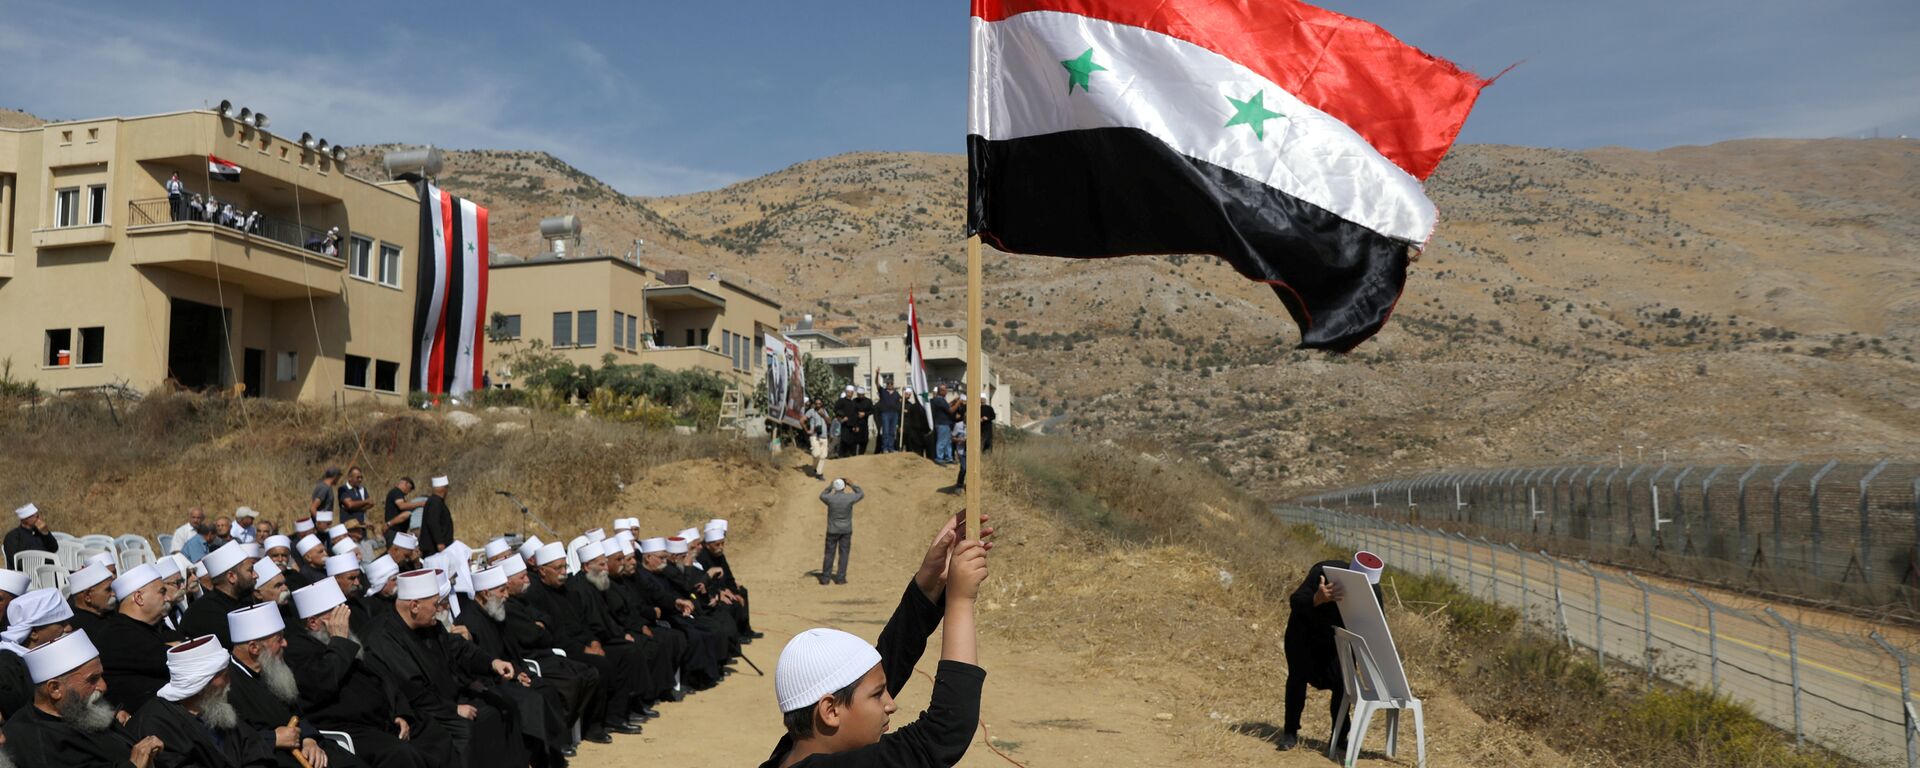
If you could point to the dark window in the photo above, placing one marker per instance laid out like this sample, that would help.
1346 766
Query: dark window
93 346
619 330
563 329
507 326
589 327
97 204
633 332
386 375
703 337
357 371
59 342
691 335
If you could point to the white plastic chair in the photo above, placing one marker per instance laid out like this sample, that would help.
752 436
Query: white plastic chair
166 542
26 561
48 575
1365 697
133 541
134 558
99 541
342 738
69 554
64 536
80 560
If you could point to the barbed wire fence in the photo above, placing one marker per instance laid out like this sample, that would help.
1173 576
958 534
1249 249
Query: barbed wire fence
1846 691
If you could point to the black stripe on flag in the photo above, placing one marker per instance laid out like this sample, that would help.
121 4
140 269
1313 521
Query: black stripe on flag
1106 192
423 291
455 312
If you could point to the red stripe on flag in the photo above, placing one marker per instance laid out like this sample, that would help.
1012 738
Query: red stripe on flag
436 365
1408 104
480 312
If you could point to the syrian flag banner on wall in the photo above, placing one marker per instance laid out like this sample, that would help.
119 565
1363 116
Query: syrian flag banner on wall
450 305
916 363
222 170
1286 139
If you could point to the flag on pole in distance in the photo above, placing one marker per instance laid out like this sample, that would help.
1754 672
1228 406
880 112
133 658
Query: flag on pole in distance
222 170
916 362
450 305
1288 140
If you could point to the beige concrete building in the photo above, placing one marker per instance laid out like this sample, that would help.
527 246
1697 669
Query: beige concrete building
883 359
103 281
586 308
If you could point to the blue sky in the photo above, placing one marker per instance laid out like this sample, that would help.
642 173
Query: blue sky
660 98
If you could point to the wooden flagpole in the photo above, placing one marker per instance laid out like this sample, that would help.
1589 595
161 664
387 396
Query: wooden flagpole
976 383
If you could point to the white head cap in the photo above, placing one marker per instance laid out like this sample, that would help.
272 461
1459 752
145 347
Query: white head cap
597 534
530 547
676 546
133 580
14 582
344 548
714 533
224 559
265 570
317 598
1369 564
87 578
25 511
60 656
513 566
592 550
406 541
549 553
818 662
254 622
277 541
323 517
167 566
418 585
690 534
343 563
303 526
191 666
839 484
103 559
380 571
243 511
307 543
655 544
336 531
440 482
488 578
497 547
253 550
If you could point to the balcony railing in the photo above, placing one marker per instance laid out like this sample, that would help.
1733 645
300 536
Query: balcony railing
160 211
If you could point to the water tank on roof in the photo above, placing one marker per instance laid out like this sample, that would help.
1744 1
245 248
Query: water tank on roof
424 161
557 227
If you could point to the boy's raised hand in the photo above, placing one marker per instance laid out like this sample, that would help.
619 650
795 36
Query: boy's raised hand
932 576
966 569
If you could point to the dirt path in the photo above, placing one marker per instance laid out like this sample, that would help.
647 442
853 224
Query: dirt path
1038 709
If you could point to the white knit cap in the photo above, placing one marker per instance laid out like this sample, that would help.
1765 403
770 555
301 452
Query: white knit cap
549 553
655 544
14 582
191 666
135 578
223 559
103 559
380 571
336 532
317 598
344 548
497 547
839 484
343 563
265 570
677 546
60 656
488 578
1369 564
591 551
530 547
418 585
818 662
87 578
440 482
307 543
278 541
254 622
26 511
33 610
514 566
303 526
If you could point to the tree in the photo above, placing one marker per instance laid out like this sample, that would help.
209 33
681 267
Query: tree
822 384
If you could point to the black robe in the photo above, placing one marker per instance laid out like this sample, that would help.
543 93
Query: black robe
727 581
208 616
436 526
82 620
264 712
24 539
16 689
710 647
430 667
620 667
189 742
1309 636
654 657
338 692
546 713
40 740
530 641
134 654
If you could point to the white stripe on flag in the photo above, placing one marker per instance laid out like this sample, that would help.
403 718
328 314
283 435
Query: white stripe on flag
1178 92
917 365
439 289
460 379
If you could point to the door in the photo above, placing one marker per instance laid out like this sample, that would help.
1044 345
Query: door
255 372
196 345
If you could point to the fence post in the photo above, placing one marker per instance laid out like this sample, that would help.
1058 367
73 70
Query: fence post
1740 515
1633 534
1559 604
1469 548
1865 548
1449 541
1599 631
1426 536
1793 664
1646 622
1813 518
1526 597
1493 569
1906 700
1706 509
1713 642
1779 536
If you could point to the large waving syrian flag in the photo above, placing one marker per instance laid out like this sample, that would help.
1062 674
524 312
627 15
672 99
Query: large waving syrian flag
450 305
1287 139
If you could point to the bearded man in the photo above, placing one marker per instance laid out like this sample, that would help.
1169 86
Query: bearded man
191 715
266 696
70 722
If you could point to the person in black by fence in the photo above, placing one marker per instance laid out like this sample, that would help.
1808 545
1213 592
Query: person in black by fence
1311 658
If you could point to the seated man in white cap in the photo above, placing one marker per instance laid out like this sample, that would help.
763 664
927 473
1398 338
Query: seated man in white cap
344 569
436 521
230 573
32 534
714 556
380 575
70 723
265 695
706 651
173 589
340 692
280 550
33 620
313 554
429 666
132 642
12 584
836 691
405 551
546 715
1311 658
191 716
90 592
587 592
542 616
710 611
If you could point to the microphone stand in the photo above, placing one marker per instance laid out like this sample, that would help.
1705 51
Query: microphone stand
526 514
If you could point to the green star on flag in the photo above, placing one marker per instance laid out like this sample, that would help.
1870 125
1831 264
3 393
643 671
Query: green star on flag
1253 113
1079 69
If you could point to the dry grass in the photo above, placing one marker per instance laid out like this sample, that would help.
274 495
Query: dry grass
137 469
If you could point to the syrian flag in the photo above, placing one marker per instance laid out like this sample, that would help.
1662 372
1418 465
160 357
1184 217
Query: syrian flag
1289 140
222 170
916 362
450 306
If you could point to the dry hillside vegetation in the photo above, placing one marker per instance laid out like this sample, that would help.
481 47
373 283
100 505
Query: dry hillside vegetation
1752 298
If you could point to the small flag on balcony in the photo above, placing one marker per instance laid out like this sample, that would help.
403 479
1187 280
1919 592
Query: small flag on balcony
222 170
1288 140
451 303
916 362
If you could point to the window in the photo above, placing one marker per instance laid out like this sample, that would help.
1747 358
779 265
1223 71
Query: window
93 346
690 337
563 329
506 326
360 258
589 328
286 366
97 204
633 332
726 347
390 269
386 375
66 207
619 330
59 345
703 337
357 371
759 343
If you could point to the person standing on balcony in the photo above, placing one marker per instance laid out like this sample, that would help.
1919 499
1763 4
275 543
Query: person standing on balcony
889 409
942 427
196 209
176 198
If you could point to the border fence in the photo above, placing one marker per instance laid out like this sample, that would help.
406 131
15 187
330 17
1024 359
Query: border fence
1844 691
1825 531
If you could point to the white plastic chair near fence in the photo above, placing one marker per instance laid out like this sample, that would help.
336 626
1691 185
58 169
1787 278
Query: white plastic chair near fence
1365 697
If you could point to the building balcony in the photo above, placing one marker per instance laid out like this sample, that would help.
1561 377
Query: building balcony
681 297
267 259
687 358
68 237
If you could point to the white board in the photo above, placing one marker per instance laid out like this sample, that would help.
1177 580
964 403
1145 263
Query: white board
1360 612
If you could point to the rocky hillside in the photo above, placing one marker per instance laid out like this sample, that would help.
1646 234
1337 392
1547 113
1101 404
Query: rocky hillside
1749 298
